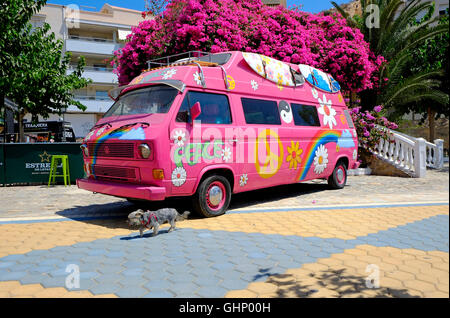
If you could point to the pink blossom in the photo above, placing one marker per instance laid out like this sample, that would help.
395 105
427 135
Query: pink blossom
326 42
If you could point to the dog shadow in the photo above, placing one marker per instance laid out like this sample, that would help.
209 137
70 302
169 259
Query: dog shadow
149 234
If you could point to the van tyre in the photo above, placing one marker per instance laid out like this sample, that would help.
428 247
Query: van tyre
213 196
338 178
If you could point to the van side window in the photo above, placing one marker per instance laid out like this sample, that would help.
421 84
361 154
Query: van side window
305 115
215 108
258 111
349 119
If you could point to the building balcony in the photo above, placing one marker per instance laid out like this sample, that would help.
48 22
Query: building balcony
87 45
103 75
94 104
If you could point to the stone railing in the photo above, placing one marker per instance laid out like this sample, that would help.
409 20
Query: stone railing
409 154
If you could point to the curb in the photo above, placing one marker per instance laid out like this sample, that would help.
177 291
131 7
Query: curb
359 172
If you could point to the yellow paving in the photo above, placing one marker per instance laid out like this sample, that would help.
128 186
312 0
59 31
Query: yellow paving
22 238
398 272
342 224
14 289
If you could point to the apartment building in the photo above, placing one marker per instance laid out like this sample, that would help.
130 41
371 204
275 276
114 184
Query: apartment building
94 35
275 3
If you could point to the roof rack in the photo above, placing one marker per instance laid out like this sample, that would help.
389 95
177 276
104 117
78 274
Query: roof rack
165 61
198 58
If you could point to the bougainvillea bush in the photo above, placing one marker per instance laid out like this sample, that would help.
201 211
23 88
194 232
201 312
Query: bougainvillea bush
369 126
214 26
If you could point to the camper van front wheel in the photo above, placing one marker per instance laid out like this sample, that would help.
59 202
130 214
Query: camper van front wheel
338 178
213 196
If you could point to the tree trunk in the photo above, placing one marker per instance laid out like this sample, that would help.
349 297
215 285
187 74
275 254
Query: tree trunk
20 117
431 124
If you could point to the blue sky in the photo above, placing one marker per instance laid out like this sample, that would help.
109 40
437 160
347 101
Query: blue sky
308 5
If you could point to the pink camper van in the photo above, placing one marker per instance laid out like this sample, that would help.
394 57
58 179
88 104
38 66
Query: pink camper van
209 125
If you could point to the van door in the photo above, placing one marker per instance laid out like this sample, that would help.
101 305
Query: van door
262 138
206 142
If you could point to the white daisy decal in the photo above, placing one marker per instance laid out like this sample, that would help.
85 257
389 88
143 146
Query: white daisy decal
321 159
315 93
100 131
226 154
243 180
169 73
254 85
327 112
355 154
88 136
178 176
179 137
198 78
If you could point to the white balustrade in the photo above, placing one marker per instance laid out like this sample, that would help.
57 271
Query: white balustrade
409 154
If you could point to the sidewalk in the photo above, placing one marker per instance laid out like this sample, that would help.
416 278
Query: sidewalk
378 237
59 201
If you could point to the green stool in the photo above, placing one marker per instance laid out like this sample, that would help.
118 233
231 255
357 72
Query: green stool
54 167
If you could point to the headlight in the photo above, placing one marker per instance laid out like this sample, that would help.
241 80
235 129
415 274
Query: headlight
144 150
85 150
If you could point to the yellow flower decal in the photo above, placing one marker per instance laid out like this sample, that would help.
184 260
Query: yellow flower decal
294 158
266 59
259 69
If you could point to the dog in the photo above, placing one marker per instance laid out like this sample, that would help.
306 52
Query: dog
153 219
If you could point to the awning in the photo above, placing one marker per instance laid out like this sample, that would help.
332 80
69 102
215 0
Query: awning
115 92
123 34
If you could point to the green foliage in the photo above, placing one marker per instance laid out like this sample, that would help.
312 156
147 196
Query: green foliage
400 39
32 66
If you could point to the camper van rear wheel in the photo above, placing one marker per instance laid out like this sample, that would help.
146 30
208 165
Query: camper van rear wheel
213 196
338 178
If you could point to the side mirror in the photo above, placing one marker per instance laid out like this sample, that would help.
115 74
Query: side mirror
196 110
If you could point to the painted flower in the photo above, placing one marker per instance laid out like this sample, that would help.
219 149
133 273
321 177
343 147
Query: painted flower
178 176
315 93
100 131
89 135
259 69
179 137
327 112
294 157
198 78
254 85
320 159
169 73
226 154
355 154
243 180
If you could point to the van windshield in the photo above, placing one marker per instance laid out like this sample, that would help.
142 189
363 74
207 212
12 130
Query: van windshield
149 100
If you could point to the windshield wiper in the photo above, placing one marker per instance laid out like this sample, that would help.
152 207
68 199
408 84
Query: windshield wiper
132 124
101 125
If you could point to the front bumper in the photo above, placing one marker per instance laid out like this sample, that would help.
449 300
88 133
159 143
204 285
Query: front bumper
123 190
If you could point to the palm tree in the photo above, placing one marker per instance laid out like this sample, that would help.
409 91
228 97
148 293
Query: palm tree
399 33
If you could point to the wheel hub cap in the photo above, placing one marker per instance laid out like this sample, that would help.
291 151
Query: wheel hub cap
215 195
340 175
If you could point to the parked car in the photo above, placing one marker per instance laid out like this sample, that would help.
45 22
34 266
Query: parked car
218 124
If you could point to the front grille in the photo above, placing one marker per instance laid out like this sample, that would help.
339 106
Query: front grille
112 149
114 172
